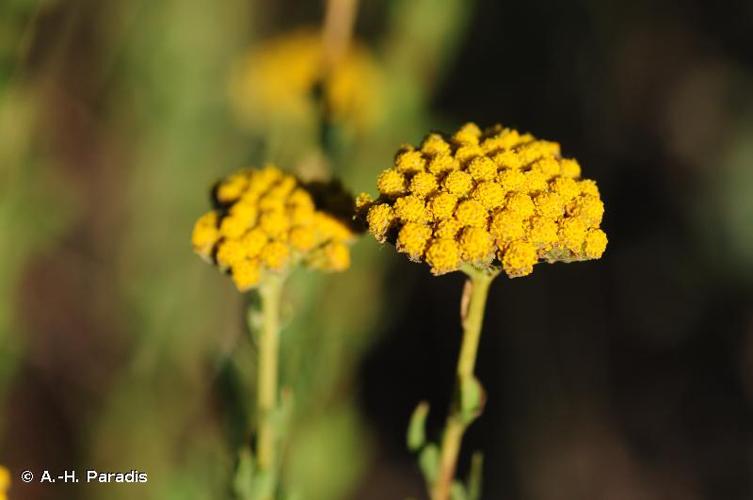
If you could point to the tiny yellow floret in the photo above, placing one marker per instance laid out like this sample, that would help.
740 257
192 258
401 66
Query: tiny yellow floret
471 213
391 183
253 241
465 154
423 184
363 201
447 229
589 208
521 204
587 186
205 234
476 245
549 205
442 163
507 226
302 238
507 159
519 258
443 255
379 219
482 168
565 187
231 188
443 206
595 244
572 234
410 208
275 255
511 179
490 194
274 222
467 134
434 144
458 183
246 274
535 181
230 252
542 232
569 168
412 239
410 162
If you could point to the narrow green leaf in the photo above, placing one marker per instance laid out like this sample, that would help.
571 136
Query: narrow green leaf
472 399
428 461
457 491
284 412
417 428
263 485
475 476
244 474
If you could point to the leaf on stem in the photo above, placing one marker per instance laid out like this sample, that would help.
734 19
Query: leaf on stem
428 461
244 475
475 476
457 492
417 427
472 399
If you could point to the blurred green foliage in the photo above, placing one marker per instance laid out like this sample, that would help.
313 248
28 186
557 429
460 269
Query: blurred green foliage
150 83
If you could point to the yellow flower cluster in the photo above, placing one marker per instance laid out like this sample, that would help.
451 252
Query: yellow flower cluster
281 75
266 221
489 199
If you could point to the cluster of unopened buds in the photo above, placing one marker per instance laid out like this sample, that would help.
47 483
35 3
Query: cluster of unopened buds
489 199
265 222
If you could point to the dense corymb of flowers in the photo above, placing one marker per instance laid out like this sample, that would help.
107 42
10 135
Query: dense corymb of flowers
489 199
280 77
266 221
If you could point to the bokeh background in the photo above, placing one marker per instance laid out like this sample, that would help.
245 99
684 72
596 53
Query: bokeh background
625 378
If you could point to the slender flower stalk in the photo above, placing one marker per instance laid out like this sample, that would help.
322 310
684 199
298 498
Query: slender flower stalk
338 30
267 388
473 305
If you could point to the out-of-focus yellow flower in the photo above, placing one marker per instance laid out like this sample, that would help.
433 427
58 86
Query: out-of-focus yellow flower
266 221
280 78
4 482
492 199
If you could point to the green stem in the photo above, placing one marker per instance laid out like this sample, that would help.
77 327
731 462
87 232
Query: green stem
267 373
472 314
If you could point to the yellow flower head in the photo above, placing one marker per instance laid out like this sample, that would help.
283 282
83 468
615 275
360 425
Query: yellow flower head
279 78
491 199
266 221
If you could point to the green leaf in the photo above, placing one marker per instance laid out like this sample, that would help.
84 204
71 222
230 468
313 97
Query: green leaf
428 461
244 474
417 428
283 414
457 491
472 398
475 476
263 485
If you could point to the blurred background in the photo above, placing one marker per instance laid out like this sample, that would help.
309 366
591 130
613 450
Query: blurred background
625 378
